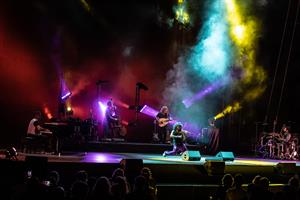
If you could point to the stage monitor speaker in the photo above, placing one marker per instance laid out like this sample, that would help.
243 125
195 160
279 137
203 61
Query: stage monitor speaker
226 155
286 168
37 166
214 167
191 156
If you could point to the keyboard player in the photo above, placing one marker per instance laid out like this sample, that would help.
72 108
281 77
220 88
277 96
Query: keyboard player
40 134
34 126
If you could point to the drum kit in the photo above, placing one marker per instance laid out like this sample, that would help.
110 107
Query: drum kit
274 146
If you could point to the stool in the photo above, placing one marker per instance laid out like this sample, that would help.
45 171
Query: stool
31 144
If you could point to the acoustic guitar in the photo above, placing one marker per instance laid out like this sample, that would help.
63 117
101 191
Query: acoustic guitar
162 122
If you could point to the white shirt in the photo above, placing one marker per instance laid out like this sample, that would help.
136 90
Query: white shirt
31 127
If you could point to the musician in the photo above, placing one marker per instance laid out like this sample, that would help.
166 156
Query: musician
285 137
178 137
213 134
112 124
285 134
162 119
34 126
42 136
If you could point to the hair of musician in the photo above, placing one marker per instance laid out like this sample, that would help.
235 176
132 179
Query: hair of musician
110 102
37 113
163 108
177 124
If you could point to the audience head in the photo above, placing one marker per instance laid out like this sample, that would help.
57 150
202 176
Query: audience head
119 187
227 180
79 190
140 184
102 186
82 175
146 172
264 183
256 180
53 177
118 172
238 180
294 182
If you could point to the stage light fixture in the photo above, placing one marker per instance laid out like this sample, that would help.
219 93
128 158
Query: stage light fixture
65 96
141 86
11 153
102 108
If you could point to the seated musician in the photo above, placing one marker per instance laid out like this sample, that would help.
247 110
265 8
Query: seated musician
178 137
285 134
112 124
285 137
163 118
39 133
34 126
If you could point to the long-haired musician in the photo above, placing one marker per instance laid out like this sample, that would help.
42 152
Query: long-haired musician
178 136
162 120
112 122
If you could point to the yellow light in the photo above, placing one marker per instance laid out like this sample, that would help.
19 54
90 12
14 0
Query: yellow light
69 108
180 1
239 31
229 109
85 5
230 5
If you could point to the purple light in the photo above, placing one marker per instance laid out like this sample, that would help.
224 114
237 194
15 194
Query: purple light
100 158
102 108
65 96
64 90
210 88
147 110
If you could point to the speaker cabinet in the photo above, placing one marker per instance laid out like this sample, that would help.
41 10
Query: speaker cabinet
191 156
226 155
286 168
37 166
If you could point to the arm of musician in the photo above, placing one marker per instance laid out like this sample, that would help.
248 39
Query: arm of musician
288 137
112 118
42 129
157 118
184 135
172 134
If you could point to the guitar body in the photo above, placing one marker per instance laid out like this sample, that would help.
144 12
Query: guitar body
162 122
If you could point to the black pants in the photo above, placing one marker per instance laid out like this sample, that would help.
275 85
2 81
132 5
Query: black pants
162 133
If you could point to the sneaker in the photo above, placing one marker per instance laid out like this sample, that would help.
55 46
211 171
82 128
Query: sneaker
164 154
